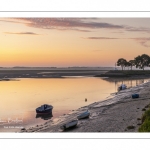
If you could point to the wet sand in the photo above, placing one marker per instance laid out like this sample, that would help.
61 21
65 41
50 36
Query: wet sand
120 113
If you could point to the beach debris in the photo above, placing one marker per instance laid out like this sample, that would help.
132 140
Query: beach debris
139 124
23 129
85 99
143 109
130 127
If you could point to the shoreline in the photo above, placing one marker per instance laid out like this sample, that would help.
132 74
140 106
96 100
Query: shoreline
60 73
119 113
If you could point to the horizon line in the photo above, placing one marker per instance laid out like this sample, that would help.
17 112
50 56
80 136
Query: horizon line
57 67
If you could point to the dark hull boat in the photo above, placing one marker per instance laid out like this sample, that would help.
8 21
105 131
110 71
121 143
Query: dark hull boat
44 109
135 95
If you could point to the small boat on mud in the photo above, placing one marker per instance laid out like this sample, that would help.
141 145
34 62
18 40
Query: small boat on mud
5 79
70 124
44 109
122 87
84 115
135 95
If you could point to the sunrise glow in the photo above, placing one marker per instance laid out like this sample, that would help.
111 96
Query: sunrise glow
64 42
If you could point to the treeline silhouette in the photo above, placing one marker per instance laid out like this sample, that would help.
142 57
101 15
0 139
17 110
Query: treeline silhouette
140 62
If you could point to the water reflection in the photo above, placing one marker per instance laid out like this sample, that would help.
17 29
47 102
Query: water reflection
44 116
130 82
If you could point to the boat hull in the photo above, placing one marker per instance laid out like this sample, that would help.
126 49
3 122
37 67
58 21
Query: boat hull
84 115
44 109
69 125
44 112
135 95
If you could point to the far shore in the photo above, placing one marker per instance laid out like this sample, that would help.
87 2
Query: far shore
9 74
125 73
120 113
6 75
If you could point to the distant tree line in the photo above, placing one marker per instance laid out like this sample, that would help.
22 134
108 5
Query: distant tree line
140 62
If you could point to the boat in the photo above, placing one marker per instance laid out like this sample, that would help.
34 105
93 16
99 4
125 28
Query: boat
135 95
84 115
122 87
5 79
46 116
70 124
44 109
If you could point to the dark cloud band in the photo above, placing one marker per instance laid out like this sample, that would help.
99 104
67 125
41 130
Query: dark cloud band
22 33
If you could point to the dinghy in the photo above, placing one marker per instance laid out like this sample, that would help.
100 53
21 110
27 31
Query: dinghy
70 124
83 115
135 95
44 109
122 87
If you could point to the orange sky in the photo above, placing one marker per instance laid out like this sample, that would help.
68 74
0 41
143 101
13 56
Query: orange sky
65 42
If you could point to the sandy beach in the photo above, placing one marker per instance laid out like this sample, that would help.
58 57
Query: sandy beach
119 113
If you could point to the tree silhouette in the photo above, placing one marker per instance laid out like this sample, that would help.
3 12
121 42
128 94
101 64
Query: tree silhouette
121 62
127 64
132 63
142 61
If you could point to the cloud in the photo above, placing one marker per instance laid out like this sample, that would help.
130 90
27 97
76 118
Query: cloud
142 41
81 30
101 38
11 21
140 29
21 33
73 29
76 24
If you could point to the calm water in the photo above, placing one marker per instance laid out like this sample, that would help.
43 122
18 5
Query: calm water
19 99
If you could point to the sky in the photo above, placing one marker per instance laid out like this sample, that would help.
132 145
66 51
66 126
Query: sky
69 42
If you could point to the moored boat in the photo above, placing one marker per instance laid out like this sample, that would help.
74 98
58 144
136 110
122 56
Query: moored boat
122 87
44 109
83 115
70 124
135 95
